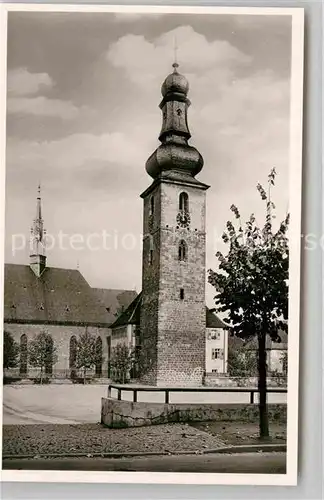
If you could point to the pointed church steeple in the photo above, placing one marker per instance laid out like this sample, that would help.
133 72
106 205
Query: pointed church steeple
37 240
175 158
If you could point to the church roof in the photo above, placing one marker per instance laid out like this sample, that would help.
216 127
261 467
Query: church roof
131 316
115 301
213 321
60 296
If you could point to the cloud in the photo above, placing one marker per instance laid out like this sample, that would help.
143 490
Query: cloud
23 87
240 125
42 106
242 134
145 62
130 17
20 82
83 159
239 118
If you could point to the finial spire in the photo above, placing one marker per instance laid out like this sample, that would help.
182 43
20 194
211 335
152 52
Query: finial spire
175 65
37 240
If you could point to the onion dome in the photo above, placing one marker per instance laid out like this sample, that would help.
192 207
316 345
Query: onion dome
167 158
175 82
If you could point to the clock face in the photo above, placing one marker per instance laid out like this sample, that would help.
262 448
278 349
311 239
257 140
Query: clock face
183 219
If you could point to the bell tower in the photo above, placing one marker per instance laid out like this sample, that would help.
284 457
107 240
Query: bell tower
173 313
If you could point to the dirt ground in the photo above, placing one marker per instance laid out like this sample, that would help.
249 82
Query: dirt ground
35 440
240 433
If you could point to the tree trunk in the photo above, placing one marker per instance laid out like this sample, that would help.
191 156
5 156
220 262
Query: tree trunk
262 386
41 377
84 375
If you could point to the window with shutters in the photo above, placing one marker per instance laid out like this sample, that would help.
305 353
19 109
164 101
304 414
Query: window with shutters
217 353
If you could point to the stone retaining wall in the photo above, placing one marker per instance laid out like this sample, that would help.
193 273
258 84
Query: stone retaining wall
116 413
214 380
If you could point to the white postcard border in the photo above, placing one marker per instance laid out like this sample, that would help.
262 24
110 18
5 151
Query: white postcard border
290 478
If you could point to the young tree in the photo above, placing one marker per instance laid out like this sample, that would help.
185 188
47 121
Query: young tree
10 351
87 353
284 361
42 353
251 283
241 362
122 361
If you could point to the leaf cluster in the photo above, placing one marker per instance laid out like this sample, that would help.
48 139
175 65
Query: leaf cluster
42 351
10 351
88 353
122 361
252 279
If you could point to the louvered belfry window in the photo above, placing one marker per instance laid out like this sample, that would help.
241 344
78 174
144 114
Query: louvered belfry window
183 202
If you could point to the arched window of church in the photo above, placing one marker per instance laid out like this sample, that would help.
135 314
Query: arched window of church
23 355
98 357
49 356
183 251
73 351
152 205
184 202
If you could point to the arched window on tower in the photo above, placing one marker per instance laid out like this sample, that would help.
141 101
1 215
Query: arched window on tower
23 365
98 357
152 205
49 356
184 202
183 251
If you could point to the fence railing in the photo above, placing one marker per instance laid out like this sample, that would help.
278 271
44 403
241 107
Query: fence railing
167 390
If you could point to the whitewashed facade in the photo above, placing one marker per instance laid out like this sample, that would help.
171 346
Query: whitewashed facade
216 350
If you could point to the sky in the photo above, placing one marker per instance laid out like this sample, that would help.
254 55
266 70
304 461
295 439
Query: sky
82 118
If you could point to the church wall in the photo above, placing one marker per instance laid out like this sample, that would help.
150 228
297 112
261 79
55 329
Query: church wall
61 336
123 334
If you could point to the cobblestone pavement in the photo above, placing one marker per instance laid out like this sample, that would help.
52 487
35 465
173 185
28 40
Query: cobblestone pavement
93 438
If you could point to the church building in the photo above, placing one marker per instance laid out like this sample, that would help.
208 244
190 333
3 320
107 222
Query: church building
61 303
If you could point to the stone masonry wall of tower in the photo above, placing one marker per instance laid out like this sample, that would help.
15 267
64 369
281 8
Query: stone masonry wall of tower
181 319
